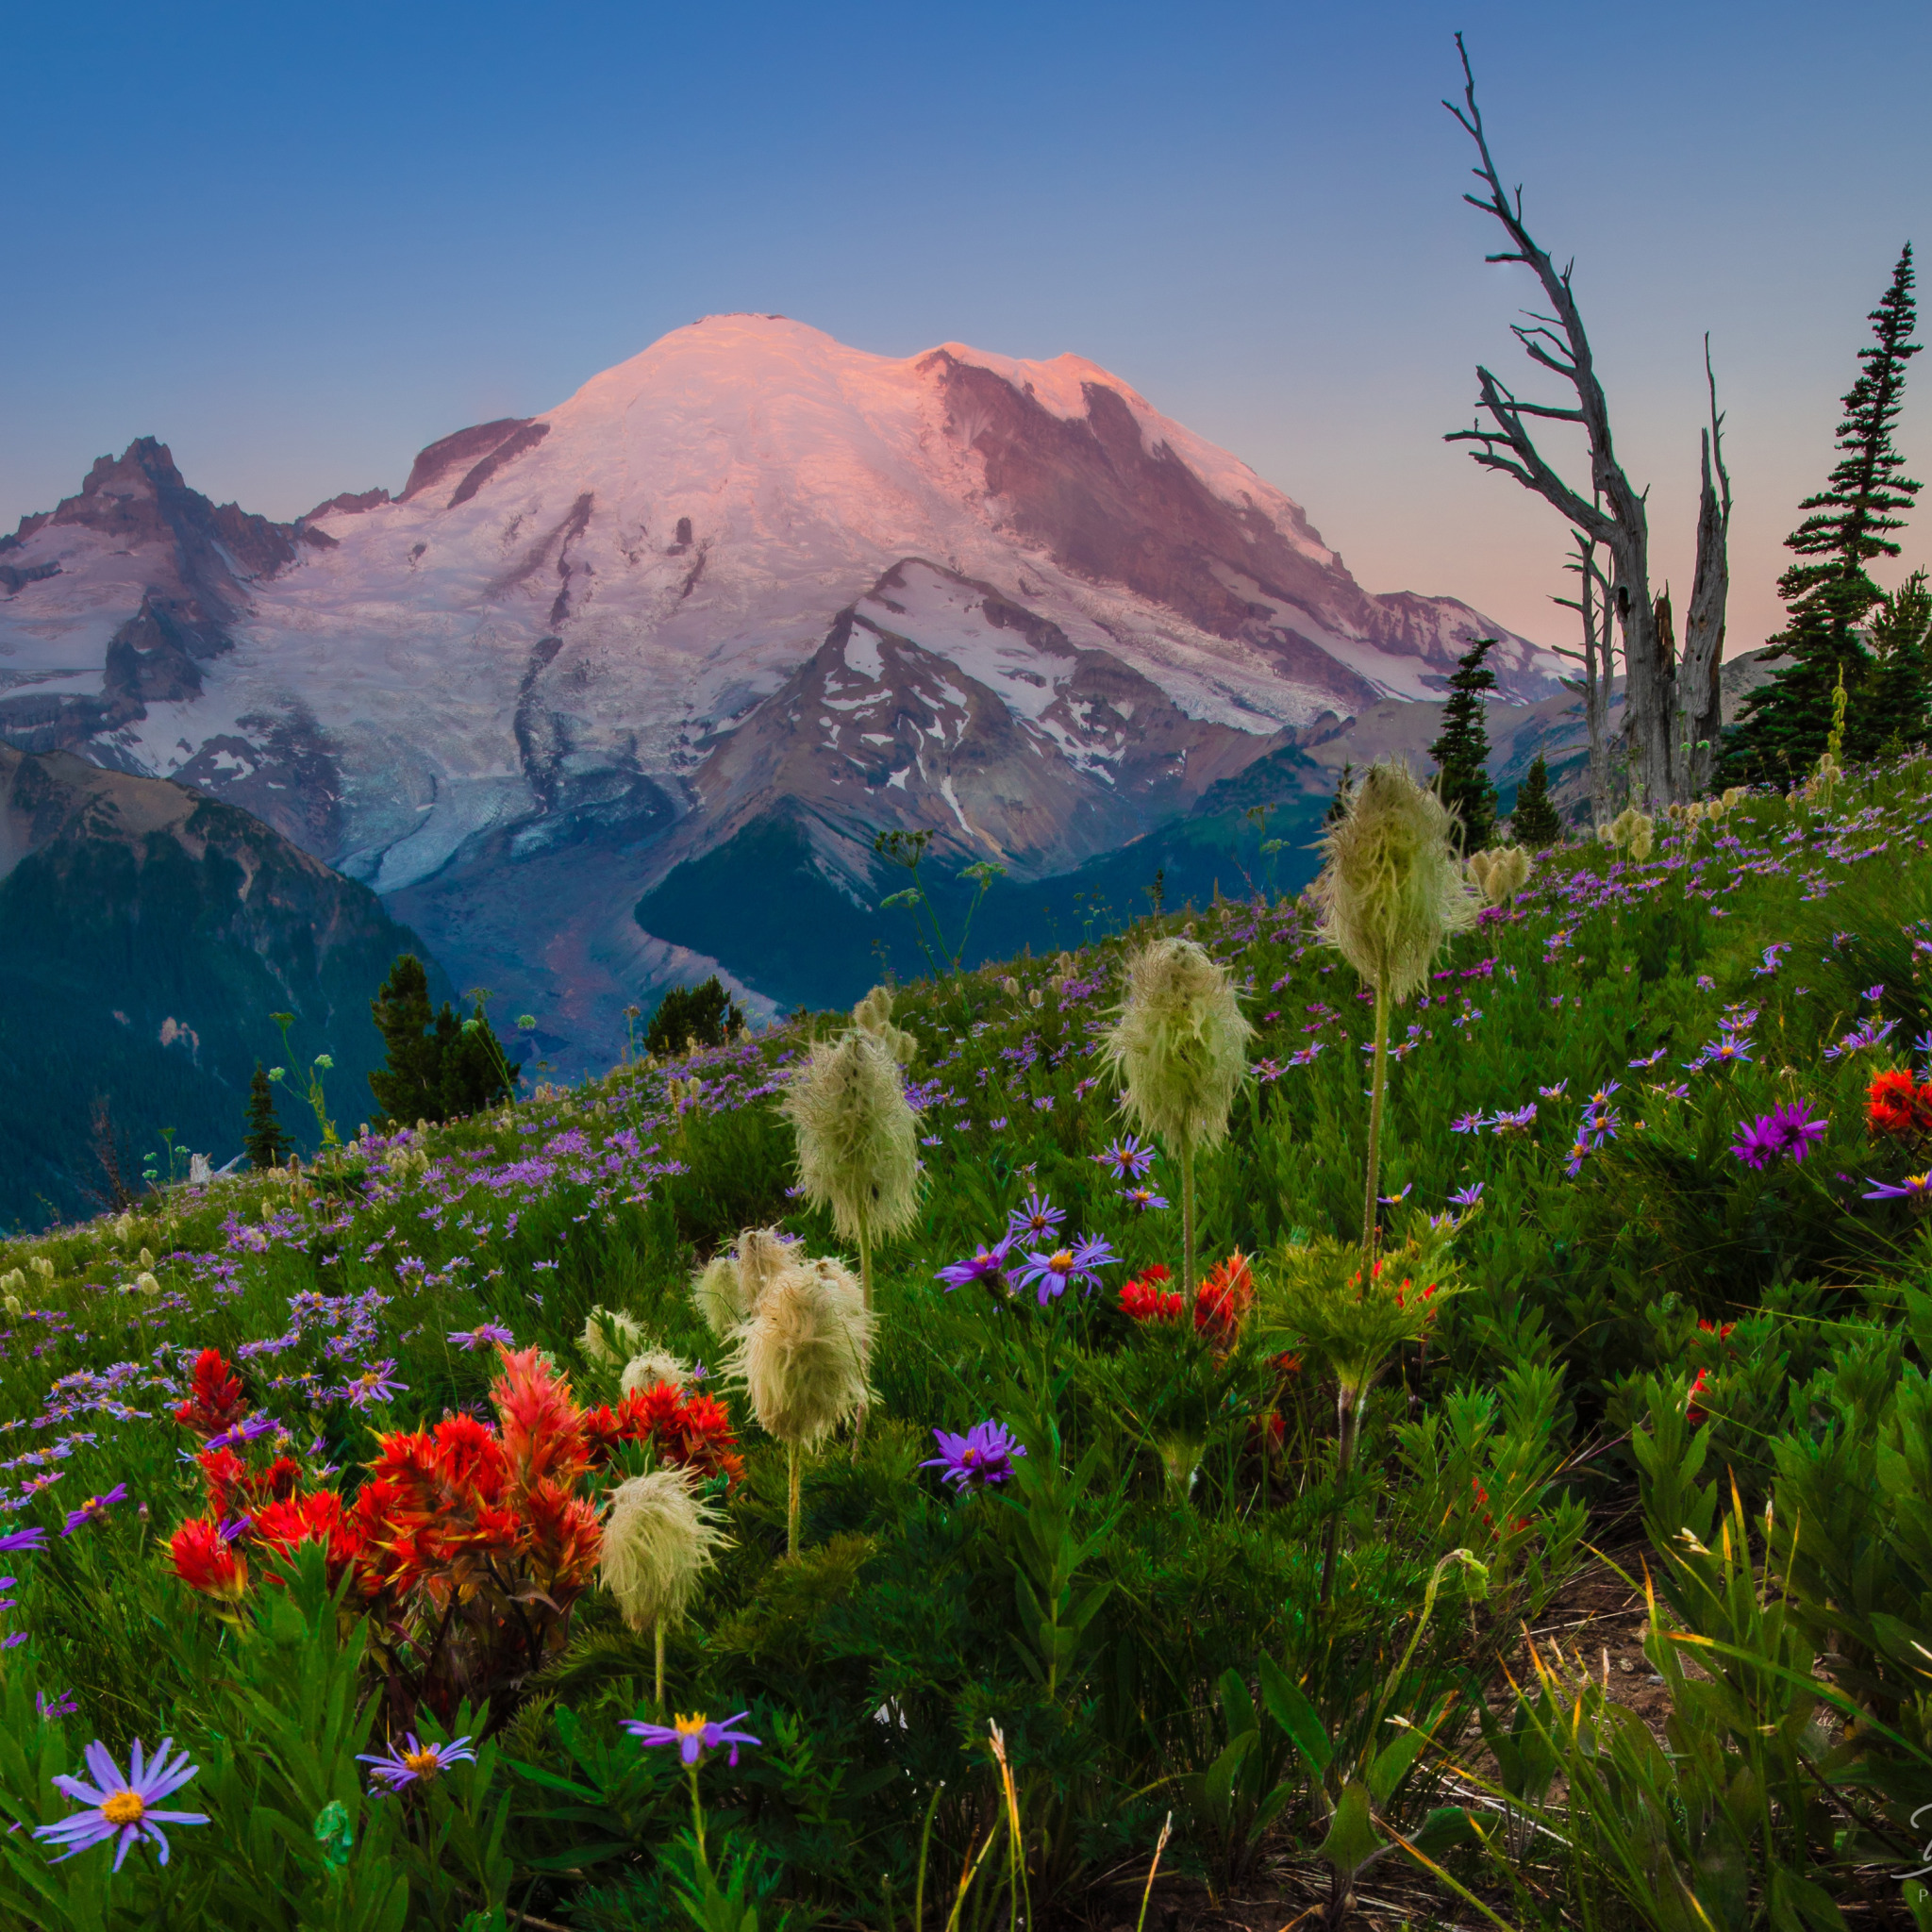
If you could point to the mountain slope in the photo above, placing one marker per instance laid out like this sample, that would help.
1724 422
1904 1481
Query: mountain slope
580 650
150 932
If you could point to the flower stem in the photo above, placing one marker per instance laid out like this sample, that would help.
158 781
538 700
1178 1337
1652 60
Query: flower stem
1187 1224
1377 1087
791 1504
1344 1457
661 1710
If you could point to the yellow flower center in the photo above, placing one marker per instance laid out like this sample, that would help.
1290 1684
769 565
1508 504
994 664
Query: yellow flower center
692 1726
1060 1262
122 1807
424 1763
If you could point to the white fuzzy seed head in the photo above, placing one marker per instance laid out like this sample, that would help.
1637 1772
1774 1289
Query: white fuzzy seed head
857 1141
654 1366
717 1295
1390 892
873 1015
805 1351
658 1541
610 1336
1179 1044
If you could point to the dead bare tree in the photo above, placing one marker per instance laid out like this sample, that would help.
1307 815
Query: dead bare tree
1614 515
1700 699
1599 661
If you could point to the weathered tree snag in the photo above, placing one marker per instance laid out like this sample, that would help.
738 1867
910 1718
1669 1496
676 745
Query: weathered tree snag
1703 623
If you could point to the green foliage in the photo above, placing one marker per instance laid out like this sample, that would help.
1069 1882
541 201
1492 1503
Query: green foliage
438 1068
1536 822
692 1016
1462 752
264 1143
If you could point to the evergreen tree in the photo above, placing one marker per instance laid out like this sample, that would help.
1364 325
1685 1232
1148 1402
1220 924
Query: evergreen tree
1462 752
410 1086
263 1141
476 1072
1898 639
687 1014
439 1067
1786 722
1338 806
1535 822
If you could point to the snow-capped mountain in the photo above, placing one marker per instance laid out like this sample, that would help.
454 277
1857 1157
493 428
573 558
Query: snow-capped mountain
748 567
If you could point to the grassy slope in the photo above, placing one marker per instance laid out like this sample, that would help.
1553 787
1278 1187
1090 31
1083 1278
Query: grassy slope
530 1219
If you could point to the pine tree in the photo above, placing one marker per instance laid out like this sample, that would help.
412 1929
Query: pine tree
410 1086
1338 806
1786 722
476 1072
1899 640
1462 752
1535 822
687 1014
263 1141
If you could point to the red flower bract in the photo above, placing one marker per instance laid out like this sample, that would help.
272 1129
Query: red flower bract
215 1403
206 1560
1895 1105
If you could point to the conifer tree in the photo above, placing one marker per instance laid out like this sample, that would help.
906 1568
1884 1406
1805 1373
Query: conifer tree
1828 594
263 1141
410 1086
1536 822
1899 641
1338 806
475 1072
1462 752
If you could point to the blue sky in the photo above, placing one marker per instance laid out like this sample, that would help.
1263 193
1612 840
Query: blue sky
298 243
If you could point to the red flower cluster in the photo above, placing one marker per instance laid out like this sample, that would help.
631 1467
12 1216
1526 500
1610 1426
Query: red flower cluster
1225 1296
1895 1105
693 1431
466 1545
216 1405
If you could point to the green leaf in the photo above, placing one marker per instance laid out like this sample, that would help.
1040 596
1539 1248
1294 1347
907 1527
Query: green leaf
1289 1706
1392 1763
1353 1840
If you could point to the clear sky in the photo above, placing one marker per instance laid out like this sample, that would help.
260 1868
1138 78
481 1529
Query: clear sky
298 242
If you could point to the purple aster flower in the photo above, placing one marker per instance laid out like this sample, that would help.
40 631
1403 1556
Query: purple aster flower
61 1705
693 1735
987 1265
1915 1187
1519 1121
410 1763
1874 994
483 1336
1395 1200
1757 1144
95 1507
983 1455
16 1541
1036 1217
1467 1198
120 1807
243 1432
1797 1132
1468 1123
1141 1199
1556 1093
1306 1057
1052 1274
376 1384
1130 1160
1649 1060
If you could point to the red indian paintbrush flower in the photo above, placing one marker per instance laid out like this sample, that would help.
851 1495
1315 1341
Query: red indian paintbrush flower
215 1402
205 1560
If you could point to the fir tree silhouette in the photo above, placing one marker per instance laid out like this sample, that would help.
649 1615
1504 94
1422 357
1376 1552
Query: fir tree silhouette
1462 752
263 1139
1534 820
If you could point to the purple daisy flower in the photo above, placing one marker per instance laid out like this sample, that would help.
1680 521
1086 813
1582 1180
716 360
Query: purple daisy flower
693 1735
1758 1143
242 1432
410 1763
1797 1132
95 1507
1129 1158
1915 1187
483 1336
1520 1122
16 1541
1053 1274
987 1265
120 1807
983 1455
1036 1217
1141 1199
376 1384
1468 1123
1467 1198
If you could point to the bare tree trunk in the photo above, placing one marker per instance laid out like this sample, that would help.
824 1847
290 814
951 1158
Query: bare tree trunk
1599 661
1616 518
1703 623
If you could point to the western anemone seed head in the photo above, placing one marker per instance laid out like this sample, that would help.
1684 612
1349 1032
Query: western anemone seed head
658 1541
717 1296
610 1335
1179 1046
654 1366
873 1015
803 1351
1390 892
857 1142
1733 796
1631 831
1499 875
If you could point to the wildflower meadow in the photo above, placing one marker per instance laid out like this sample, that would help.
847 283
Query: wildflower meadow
1127 1438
